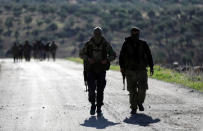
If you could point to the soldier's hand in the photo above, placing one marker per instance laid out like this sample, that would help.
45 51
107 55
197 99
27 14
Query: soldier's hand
104 61
121 70
91 61
151 72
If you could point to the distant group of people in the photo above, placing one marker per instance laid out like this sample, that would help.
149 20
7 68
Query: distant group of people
39 50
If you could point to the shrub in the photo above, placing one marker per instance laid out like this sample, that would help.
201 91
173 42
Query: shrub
52 27
28 19
9 22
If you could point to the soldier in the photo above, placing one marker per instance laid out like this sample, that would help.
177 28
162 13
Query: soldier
40 50
135 56
27 51
43 50
15 52
97 54
20 52
35 50
52 49
47 49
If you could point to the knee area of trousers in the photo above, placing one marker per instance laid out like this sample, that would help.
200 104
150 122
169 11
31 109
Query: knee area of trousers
143 88
91 98
143 85
101 84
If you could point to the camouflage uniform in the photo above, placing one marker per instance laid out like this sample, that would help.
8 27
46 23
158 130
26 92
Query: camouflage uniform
137 86
96 72
134 57
52 49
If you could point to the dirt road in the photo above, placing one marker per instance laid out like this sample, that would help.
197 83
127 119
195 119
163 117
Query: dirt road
49 96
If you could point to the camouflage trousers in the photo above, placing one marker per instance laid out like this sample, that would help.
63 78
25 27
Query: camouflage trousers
137 86
96 84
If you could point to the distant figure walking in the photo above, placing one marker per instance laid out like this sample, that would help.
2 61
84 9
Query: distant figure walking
97 54
27 51
15 52
20 53
41 50
35 46
52 49
135 56
47 46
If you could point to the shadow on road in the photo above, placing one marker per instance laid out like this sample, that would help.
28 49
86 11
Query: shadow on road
141 119
98 122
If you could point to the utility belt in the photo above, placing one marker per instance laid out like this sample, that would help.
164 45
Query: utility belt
136 67
97 67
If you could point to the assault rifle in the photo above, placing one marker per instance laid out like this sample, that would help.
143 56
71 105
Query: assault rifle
85 80
123 74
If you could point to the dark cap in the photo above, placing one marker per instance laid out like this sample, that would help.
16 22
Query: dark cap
135 29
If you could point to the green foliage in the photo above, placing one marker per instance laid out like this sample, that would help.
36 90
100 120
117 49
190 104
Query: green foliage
75 59
7 33
46 9
28 19
39 23
52 27
31 8
172 28
16 34
35 32
179 78
17 11
9 22
8 7
1 30
47 20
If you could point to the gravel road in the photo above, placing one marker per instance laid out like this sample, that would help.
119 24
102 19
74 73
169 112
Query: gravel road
50 96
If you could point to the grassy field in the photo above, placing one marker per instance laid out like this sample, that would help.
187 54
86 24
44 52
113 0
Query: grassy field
186 79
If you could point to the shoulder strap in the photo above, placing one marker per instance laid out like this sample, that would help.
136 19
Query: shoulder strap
104 49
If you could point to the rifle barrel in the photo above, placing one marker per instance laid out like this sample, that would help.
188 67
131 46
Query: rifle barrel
86 86
123 74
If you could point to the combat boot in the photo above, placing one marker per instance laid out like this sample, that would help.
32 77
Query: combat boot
133 111
92 110
141 108
99 111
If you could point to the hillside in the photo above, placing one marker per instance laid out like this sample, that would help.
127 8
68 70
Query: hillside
173 28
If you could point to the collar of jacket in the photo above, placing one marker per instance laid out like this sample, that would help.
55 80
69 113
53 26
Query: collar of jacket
92 40
131 39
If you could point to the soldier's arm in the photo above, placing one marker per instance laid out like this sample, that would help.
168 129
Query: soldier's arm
121 56
111 53
149 56
83 52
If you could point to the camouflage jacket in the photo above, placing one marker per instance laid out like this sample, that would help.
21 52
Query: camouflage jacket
135 55
97 52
